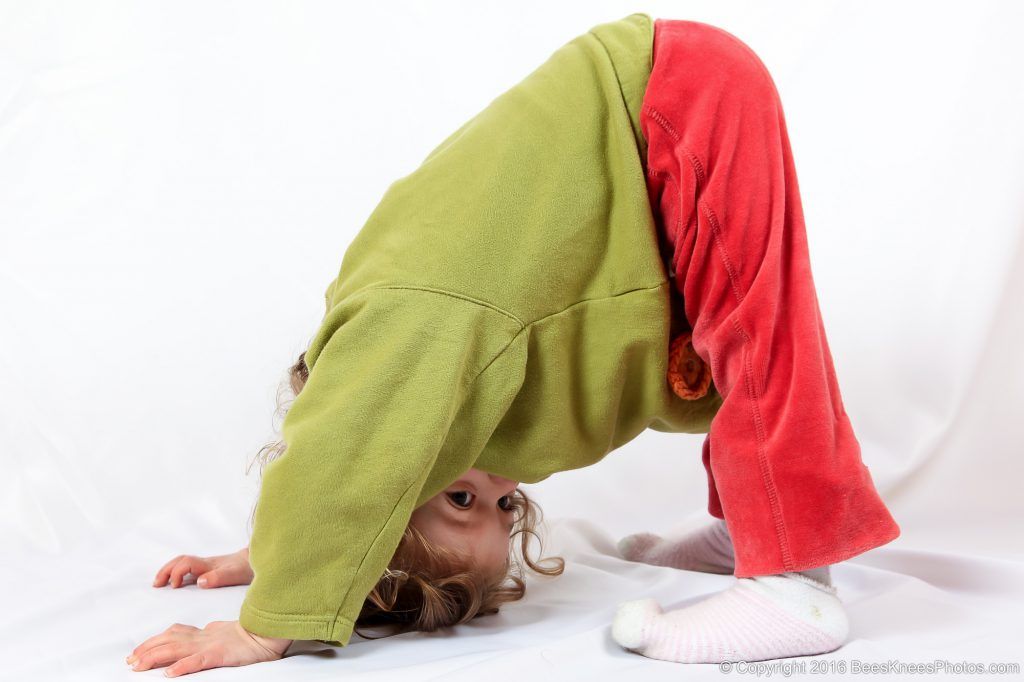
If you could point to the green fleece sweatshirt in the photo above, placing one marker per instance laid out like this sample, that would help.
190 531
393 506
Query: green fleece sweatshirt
505 307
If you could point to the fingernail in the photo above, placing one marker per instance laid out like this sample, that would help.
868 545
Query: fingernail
202 581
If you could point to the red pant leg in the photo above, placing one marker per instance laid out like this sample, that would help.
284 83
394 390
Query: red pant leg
784 466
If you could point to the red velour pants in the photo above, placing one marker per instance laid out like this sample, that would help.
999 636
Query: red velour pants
784 467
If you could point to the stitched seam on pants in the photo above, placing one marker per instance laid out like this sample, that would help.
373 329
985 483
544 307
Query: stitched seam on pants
766 473
678 235
698 170
748 372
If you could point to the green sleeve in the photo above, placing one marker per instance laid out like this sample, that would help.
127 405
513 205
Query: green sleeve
391 413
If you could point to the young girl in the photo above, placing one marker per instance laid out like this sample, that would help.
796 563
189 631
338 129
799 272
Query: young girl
615 243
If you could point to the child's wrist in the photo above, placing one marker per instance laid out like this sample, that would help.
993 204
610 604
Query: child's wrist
278 646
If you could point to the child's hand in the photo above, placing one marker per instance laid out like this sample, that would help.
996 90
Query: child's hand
187 649
214 571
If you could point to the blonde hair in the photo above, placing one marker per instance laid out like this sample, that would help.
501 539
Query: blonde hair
427 586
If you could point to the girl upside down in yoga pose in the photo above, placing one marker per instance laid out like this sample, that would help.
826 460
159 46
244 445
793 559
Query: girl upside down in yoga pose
615 243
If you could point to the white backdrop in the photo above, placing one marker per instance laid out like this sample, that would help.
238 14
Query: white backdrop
179 181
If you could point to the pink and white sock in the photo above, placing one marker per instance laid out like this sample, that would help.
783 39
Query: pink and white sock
707 549
758 618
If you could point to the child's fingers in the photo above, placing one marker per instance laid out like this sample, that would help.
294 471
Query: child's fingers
165 571
174 571
175 633
164 654
225 575
188 564
201 660
210 579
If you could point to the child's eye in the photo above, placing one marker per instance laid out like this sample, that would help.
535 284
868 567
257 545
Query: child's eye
505 502
456 497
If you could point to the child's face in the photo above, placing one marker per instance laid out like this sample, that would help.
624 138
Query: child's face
474 514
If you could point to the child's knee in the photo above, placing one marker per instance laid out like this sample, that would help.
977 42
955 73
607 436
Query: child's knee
714 59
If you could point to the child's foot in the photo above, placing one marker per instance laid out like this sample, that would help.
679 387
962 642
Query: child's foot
759 618
708 549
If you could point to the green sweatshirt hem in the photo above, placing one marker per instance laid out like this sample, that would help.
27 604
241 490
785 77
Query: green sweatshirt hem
327 629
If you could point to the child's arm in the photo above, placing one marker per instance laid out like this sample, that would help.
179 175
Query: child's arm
372 434
390 370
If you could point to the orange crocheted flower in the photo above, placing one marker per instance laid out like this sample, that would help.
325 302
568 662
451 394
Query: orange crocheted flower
688 374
